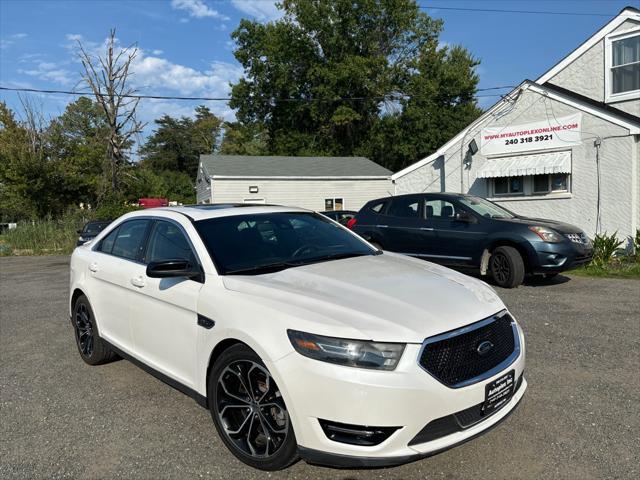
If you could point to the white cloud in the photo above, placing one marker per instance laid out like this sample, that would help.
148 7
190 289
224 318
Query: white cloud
197 9
5 43
74 37
51 72
260 10
157 52
19 35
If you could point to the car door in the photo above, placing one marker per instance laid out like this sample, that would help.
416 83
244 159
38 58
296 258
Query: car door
404 226
114 262
459 234
163 316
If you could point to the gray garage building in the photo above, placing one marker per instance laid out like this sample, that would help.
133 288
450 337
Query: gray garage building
316 183
565 146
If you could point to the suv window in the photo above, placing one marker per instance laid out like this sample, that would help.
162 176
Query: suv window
377 207
405 207
129 239
439 210
167 242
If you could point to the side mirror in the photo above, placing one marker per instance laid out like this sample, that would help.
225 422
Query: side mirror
466 217
174 268
79 232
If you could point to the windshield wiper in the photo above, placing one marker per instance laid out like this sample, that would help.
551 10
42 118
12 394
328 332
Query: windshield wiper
269 268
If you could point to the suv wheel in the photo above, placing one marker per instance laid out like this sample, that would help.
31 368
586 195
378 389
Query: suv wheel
249 412
91 347
507 267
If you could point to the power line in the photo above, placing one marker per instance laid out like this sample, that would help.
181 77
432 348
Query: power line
529 12
226 99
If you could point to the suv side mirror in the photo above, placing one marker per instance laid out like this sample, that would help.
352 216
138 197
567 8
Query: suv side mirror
174 268
466 217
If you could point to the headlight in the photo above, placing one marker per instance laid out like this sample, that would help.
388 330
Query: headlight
546 234
351 353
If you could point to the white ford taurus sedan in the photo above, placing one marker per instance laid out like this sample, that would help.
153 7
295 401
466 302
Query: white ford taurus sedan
301 338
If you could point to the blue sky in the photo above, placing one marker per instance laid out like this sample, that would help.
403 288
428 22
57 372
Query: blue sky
186 49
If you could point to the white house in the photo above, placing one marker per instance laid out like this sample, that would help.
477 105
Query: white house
565 146
317 183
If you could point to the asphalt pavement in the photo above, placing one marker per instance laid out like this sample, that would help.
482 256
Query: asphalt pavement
60 418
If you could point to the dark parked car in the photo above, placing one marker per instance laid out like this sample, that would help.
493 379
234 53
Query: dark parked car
340 216
91 230
467 231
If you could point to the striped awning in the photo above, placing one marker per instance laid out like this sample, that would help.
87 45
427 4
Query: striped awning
538 164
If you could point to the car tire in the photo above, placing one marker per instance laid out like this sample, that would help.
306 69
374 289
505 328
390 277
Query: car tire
93 350
251 420
507 267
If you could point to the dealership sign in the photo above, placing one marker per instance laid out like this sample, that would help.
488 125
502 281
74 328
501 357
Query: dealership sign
549 133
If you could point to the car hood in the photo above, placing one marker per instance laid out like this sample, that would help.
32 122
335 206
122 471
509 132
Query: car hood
560 227
387 297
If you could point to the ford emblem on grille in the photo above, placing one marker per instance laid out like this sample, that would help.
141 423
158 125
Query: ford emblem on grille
484 347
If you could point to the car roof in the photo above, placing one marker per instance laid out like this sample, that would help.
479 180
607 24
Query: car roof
441 194
215 210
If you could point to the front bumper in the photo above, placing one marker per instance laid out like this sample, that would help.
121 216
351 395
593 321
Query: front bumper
559 257
407 397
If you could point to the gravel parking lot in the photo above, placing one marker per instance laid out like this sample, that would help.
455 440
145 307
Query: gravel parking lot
60 418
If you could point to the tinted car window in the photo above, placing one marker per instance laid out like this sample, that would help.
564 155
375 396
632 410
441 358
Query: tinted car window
439 209
167 242
107 243
377 207
404 207
128 241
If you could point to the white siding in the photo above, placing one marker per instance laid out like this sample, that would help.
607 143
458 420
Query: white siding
618 164
301 193
586 74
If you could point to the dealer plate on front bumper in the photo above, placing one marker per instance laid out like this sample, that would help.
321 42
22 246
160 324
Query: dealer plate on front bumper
498 392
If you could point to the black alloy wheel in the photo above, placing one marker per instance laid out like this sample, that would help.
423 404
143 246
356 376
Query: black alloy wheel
91 347
84 331
249 411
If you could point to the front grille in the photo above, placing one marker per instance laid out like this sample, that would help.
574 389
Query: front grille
579 238
456 422
455 358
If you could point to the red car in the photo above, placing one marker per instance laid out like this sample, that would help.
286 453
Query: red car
153 202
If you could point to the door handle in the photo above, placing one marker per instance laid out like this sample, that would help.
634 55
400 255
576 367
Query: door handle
93 267
426 229
138 281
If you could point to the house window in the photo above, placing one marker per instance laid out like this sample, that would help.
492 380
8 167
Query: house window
623 65
557 182
508 185
333 204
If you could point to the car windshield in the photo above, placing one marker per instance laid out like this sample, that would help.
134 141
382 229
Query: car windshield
486 208
253 244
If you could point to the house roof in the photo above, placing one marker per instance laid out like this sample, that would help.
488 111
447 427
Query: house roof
624 15
554 92
245 166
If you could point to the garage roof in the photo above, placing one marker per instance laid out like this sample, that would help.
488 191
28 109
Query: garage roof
245 166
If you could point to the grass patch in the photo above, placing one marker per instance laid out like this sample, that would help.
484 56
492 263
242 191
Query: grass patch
42 237
612 270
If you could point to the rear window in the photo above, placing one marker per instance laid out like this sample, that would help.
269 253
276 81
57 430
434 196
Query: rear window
378 206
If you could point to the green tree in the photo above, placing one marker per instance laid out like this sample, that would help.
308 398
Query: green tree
27 183
177 143
77 144
238 139
325 77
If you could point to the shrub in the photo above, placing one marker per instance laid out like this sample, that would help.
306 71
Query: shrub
44 237
636 245
604 248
